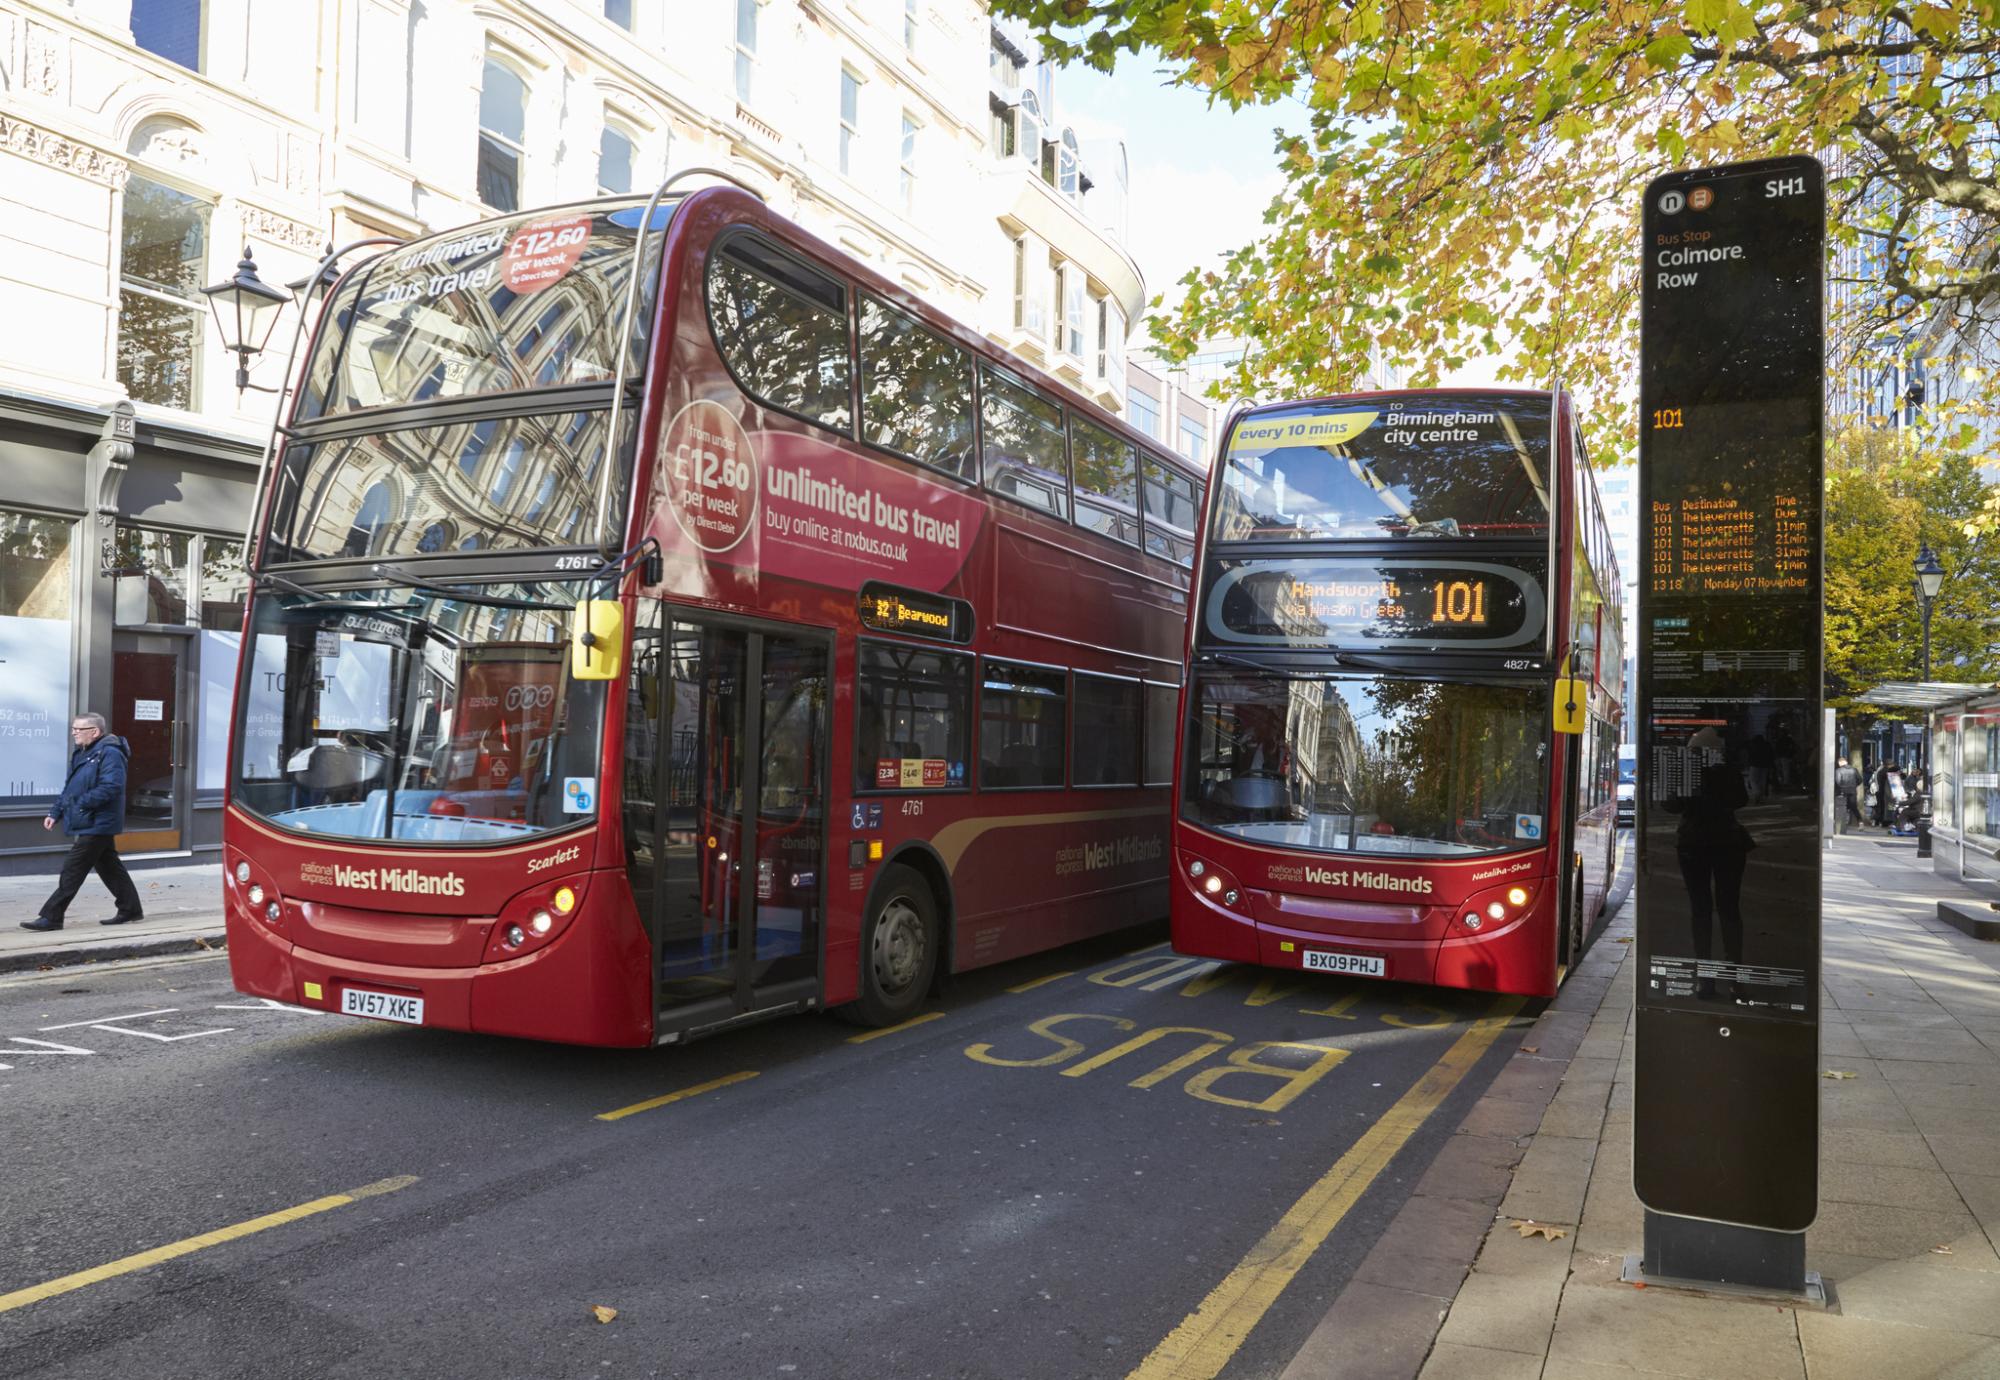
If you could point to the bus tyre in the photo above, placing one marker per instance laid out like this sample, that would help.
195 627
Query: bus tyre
899 949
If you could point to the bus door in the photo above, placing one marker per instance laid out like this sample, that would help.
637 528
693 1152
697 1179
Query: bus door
738 903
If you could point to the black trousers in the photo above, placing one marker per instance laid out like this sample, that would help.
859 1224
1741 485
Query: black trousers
99 853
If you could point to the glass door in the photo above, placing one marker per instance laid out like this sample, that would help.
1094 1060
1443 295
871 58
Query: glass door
741 747
147 676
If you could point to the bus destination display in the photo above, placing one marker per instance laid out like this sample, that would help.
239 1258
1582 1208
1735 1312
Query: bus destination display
1728 722
1484 605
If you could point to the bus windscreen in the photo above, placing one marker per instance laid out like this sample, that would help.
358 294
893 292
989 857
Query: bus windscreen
535 301
1444 465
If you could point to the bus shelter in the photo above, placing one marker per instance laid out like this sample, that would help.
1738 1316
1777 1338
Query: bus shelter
1963 734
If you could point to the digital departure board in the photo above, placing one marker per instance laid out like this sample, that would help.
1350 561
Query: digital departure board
1730 482
1493 604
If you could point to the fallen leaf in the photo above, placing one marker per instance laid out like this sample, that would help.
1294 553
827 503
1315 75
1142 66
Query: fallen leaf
601 1313
1531 1049
1626 940
1836 1073
1541 1229
1638 1284
201 943
1941 1250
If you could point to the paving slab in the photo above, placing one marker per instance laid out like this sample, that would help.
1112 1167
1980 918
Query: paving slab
1850 1348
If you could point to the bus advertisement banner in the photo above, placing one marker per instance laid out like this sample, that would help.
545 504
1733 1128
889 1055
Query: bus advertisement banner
1732 370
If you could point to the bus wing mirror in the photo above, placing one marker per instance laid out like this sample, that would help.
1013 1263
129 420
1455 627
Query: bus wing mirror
1572 705
597 639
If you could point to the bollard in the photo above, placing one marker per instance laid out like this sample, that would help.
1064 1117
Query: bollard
1923 836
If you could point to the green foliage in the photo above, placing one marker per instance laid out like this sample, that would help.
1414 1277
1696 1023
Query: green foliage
1473 167
1885 498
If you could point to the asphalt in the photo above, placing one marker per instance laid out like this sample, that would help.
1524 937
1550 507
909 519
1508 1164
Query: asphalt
1054 1175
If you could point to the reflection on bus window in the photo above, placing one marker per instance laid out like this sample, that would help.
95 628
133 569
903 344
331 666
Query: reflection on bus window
1381 766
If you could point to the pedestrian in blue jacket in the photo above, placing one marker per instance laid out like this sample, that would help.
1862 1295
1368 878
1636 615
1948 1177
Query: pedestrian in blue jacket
91 810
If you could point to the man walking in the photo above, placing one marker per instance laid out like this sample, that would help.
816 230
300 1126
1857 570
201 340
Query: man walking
91 810
1846 784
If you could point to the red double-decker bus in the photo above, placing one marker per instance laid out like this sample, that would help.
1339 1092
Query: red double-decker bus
661 621
1403 716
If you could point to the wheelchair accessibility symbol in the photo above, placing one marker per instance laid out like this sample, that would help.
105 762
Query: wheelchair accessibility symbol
579 794
1527 826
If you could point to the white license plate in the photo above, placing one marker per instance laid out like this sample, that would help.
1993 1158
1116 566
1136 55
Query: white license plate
1368 965
382 1006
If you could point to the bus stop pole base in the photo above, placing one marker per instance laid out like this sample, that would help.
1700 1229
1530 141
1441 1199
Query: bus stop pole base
1700 1254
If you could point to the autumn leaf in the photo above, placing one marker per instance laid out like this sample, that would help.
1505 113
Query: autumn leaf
601 1313
1531 1049
1541 1229
1836 1073
1941 1250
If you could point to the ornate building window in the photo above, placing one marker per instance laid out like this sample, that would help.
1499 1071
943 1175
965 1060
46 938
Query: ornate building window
163 254
503 104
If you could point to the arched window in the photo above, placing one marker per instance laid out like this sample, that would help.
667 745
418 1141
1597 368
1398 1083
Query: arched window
377 507
503 105
614 161
1031 129
1066 166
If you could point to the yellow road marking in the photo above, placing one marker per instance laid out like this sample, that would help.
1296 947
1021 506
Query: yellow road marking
1208 1337
696 1090
1039 982
144 1259
866 1036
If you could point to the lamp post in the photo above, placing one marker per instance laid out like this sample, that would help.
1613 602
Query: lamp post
246 311
1929 580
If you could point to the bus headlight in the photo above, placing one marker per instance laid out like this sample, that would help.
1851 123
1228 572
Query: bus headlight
564 901
516 937
243 872
541 922
256 895
1517 896
1497 908
272 912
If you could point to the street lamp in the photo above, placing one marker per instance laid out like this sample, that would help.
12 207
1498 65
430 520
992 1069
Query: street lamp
246 311
1929 580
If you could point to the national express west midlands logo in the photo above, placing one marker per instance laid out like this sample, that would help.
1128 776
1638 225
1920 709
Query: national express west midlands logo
402 881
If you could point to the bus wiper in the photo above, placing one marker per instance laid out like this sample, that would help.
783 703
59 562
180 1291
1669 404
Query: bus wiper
1261 668
470 596
318 601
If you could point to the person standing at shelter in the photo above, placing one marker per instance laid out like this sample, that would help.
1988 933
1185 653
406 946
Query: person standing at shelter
91 810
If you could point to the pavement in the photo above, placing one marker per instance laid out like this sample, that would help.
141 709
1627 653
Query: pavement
1909 1183
183 902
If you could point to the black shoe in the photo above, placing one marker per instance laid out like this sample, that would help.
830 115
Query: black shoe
41 922
120 919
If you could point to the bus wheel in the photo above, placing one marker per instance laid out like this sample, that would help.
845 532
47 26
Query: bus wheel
899 949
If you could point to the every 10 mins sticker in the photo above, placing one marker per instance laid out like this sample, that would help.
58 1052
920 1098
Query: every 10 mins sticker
542 252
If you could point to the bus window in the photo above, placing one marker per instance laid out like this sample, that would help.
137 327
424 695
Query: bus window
914 718
916 392
1170 512
1104 751
782 330
1021 726
1024 455
1107 482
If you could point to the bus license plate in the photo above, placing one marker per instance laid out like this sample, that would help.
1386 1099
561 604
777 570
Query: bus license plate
382 1006
1368 965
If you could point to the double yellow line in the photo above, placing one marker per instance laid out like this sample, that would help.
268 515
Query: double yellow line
35 1293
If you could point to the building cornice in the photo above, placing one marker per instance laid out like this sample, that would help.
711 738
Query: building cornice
85 420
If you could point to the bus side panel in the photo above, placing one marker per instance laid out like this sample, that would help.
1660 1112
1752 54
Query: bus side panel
1047 875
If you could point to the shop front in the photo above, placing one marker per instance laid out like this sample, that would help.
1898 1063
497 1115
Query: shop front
121 592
